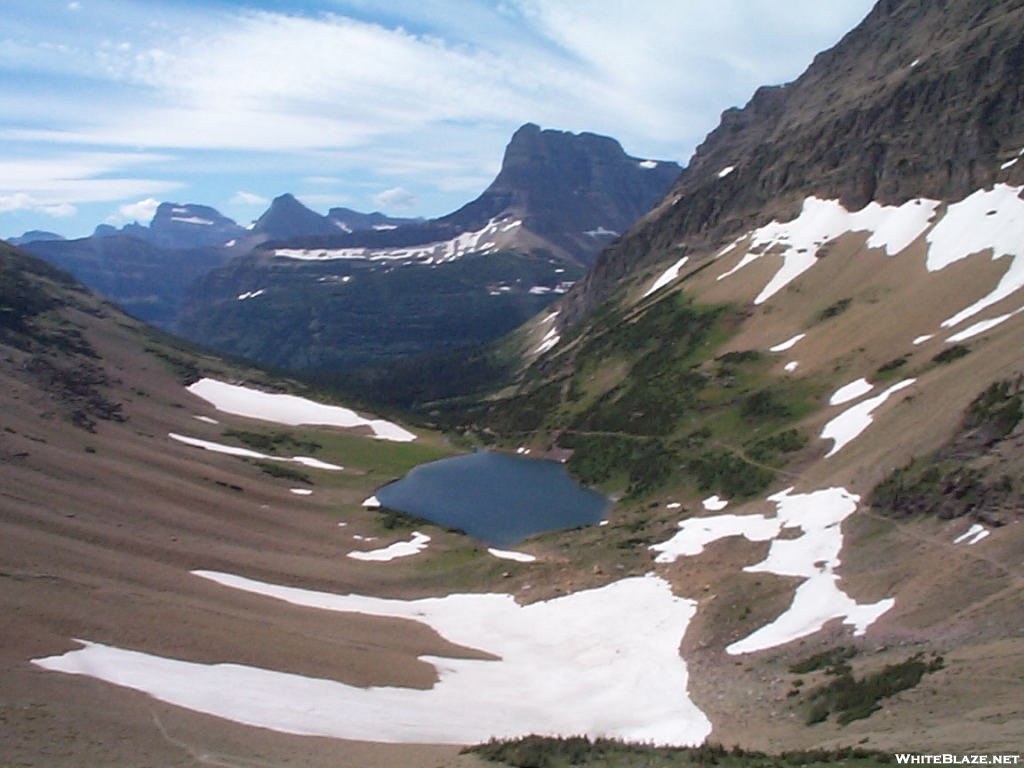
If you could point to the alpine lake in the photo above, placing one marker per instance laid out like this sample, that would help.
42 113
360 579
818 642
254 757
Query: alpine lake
497 498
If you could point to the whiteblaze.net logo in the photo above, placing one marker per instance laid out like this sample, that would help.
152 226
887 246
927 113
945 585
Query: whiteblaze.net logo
949 759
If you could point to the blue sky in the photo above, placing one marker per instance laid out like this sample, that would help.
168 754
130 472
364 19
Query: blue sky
402 106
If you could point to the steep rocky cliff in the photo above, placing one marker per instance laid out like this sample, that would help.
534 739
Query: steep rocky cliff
923 98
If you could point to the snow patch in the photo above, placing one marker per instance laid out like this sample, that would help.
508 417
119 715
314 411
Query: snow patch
648 164
519 557
980 327
821 221
251 294
290 409
851 422
697 532
789 344
206 420
851 391
726 171
399 549
922 339
245 453
372 503
603 663
988 219
973 535
301 491
192 220
790 367
551 338
667 276
481 240
813 556
601 232
715 504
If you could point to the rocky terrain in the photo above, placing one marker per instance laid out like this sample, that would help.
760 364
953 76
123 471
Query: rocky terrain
799 377
920 100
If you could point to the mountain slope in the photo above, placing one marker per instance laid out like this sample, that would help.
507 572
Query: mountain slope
920 99
146 280
828 302
104 515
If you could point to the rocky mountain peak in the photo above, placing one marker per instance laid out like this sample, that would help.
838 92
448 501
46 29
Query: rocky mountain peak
577 190
287 217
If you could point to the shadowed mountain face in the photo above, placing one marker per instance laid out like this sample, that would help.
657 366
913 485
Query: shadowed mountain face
180 226
341 300
145 279
33 236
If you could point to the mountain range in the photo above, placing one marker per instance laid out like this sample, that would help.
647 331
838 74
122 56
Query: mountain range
799 377
349 288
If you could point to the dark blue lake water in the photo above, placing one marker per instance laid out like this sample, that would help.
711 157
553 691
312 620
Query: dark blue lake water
494 497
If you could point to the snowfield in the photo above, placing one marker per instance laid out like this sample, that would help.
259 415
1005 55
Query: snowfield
988 220
290 409
822 221
845 427
813 556
494 235
603 662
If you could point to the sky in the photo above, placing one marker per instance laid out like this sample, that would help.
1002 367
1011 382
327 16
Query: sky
404 106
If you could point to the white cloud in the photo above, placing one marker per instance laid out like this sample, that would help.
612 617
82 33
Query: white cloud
20 201
141 211
395 198
74 6
382 100
248 198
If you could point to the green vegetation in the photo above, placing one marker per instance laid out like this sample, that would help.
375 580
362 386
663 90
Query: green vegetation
184 368
270 443
952 353
285 473
331 316
546 752
772 450
728 474
850 698
643 401
997 410
830 658
396 520
889 369
834 310
947 484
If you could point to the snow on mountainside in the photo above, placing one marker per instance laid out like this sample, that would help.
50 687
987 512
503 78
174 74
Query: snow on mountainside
395 290
483 241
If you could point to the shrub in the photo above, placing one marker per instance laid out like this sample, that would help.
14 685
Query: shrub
953 353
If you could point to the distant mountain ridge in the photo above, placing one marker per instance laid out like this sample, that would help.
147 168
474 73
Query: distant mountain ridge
576 191
340 300
180 226
287 218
